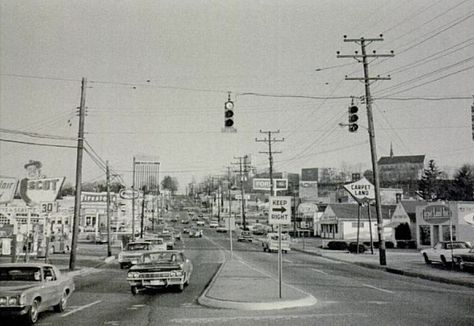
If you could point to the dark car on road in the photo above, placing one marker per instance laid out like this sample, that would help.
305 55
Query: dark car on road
465 261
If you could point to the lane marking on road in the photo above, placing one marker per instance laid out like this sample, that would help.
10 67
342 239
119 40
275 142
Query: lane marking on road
319 271
81 308
112 322
222 320
376 288
136 306
287 261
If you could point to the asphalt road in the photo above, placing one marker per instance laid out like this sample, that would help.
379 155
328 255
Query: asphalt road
346 294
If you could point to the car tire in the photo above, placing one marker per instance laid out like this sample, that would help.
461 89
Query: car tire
33 312
444 261
264 249
134 290
61 306
427 260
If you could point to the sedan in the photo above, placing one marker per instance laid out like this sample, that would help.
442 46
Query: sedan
465 261
443 251
26 289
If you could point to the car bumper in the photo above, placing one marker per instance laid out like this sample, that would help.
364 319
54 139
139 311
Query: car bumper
157 283
13 311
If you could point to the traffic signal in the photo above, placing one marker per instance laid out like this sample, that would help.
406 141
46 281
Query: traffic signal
229 114
353 118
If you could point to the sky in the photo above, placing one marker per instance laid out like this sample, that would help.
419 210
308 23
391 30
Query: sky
159 72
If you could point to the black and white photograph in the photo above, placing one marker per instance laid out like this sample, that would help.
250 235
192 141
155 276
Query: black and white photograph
236 162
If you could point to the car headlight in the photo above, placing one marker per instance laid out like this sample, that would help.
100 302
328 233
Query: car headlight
133 275
3 301
12 301
176 273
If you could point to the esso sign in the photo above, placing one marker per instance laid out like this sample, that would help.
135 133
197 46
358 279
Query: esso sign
129 194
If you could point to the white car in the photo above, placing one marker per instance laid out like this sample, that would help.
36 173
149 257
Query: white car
213 225
442 252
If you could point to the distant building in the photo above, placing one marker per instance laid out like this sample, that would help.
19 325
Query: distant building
401 168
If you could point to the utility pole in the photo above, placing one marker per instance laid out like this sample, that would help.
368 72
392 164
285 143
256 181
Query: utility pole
107 178
373 149
273 192
133 200
269 140
77 202
143 213
242 170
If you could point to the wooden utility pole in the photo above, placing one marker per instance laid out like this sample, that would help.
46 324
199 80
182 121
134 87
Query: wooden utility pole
363 42
80 150
107 178
133 200
242 170
273 192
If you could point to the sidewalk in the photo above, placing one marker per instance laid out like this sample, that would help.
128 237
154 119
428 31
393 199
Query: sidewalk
407 262
237 285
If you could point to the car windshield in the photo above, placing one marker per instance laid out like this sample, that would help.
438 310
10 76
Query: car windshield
155 241
283 237
138 246
166 237
20 274
457 245
161 257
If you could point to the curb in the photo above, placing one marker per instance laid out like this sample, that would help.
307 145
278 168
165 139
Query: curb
207 301
392 270
110 259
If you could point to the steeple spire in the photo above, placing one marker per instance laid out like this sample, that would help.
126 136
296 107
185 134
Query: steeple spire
391 150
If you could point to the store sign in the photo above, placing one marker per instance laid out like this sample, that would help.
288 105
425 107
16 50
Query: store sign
7 189
129 194
436 214
264 184
97 197
361 190
35 191
469 218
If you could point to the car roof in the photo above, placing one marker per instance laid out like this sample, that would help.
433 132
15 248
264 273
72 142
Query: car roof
25 265
166 251
138 242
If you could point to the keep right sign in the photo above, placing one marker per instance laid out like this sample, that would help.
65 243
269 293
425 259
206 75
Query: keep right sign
280 210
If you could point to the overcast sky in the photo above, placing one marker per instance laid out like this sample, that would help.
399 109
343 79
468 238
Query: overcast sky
159 71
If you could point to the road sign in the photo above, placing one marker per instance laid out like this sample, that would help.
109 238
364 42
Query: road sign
362 190
229 223
280 210
264 184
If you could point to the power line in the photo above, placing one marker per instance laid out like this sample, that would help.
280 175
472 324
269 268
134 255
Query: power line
40 77
36 135
35 144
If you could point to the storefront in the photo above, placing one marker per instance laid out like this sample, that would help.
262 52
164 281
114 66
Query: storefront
444 222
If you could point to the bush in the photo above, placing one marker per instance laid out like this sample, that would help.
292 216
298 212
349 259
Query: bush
337 245
353 247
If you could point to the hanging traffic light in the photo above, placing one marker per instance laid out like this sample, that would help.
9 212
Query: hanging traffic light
229 114
353 118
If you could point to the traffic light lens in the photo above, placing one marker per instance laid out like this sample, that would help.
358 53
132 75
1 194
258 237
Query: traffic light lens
229 114
353 128
353 118
229 123
353 109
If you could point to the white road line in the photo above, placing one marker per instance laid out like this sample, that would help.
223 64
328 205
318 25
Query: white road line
222 320
81 308
287 261
319 271
376 288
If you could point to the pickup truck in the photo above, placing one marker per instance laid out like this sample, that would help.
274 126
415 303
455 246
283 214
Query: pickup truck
270 243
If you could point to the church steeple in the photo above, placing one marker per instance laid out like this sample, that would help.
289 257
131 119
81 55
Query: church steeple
391 150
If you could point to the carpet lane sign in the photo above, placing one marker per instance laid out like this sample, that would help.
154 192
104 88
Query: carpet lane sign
280 210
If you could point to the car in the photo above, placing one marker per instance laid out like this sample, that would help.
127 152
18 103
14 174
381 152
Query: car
442 252
464 261
185 230
245 236
213 224
131 253
168 239
270 243
195 233
177 235
184 221
200 223
27 289
221 229
158 269
157 243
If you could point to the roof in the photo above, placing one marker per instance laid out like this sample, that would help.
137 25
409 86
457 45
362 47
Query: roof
411 205
349 211
402 159
24 265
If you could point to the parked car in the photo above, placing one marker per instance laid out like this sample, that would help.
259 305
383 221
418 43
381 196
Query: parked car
352 247
442 252
160 269
464 261
131 253
221 229
200 223
270 243
26 289
213 224
245 236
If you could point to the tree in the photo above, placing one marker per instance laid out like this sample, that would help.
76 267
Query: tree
369 175
67 190
170 184
463 185
429 186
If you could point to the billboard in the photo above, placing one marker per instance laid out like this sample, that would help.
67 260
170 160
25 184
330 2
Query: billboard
309 174
7 189
35 191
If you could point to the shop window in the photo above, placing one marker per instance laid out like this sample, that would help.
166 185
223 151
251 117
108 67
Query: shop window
354 225
446 235
425 235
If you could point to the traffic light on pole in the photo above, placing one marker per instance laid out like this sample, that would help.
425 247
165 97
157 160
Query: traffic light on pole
353 118
229 114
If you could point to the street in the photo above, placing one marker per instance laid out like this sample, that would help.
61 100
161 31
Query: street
346 294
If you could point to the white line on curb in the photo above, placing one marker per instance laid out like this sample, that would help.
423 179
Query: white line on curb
81 308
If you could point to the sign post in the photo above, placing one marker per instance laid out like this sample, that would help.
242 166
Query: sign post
280 213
